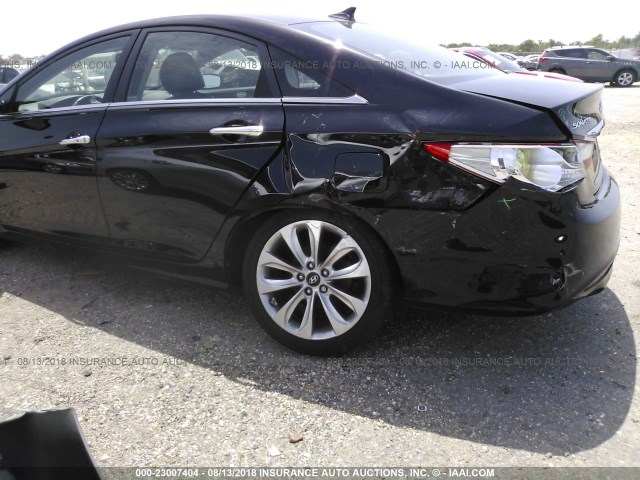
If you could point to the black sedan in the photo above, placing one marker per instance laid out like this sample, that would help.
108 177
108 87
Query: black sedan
322 166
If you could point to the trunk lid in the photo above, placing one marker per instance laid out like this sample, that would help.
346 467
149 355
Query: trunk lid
577 105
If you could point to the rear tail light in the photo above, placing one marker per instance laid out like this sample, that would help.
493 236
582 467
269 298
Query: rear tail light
543 59
550 167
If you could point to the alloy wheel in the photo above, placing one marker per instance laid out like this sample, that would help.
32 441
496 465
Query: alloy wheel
625 79
313 280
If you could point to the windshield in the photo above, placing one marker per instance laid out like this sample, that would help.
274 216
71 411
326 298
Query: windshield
433 62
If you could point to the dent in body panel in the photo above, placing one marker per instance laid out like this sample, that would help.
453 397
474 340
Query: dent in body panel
530 256
346 162
415 202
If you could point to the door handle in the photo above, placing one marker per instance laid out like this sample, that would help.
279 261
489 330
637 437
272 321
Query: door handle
246 130
79 140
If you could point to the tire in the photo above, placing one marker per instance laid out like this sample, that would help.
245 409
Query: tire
624 78
338 299
557 70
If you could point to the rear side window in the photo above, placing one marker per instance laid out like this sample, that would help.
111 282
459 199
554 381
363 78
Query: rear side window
571 53
302 78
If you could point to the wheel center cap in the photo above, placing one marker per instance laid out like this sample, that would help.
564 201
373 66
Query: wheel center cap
313 279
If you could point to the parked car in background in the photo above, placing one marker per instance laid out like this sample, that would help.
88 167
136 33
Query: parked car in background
530 62
327 169
503 64
7 74
510 56
591 65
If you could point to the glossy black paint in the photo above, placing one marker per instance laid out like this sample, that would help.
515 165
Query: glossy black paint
543 251
193 179
155 185
49 188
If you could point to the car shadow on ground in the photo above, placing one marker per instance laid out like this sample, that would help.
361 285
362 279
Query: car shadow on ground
558 383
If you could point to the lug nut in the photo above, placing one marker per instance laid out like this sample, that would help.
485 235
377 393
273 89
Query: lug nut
324 289
300 277
325 272
308 291
311 265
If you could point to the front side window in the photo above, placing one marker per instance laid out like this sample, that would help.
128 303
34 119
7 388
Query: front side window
597 55
80 78
194 65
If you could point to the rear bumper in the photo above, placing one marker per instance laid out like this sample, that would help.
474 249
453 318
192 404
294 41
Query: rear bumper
516 251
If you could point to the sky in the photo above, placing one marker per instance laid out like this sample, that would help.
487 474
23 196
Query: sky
37 27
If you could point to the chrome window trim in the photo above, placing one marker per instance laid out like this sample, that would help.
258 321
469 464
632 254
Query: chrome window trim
354 99
70 109
204 102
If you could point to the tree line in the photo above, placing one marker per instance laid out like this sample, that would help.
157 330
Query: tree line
18 61
529 46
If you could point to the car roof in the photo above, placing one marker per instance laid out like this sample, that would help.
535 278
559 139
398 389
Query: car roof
263 27
216 21
558 47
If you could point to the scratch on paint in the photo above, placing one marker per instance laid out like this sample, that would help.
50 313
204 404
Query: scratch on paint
506 202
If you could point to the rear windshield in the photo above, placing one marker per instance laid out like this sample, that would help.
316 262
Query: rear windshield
498 61
436 63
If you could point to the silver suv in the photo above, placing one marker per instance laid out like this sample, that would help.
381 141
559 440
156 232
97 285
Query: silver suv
590 64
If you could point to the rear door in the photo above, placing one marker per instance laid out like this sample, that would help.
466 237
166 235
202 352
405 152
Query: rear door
48 127
573 62
599 67
198 118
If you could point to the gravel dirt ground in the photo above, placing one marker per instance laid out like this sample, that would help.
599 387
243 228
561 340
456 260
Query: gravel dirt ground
202 385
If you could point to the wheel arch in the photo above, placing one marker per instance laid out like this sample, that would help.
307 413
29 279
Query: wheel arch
626 69
558 69
240 235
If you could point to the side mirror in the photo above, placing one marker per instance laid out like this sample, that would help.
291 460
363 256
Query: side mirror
6 94
610 57
211 80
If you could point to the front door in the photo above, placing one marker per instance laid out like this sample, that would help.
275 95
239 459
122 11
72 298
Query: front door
48 127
